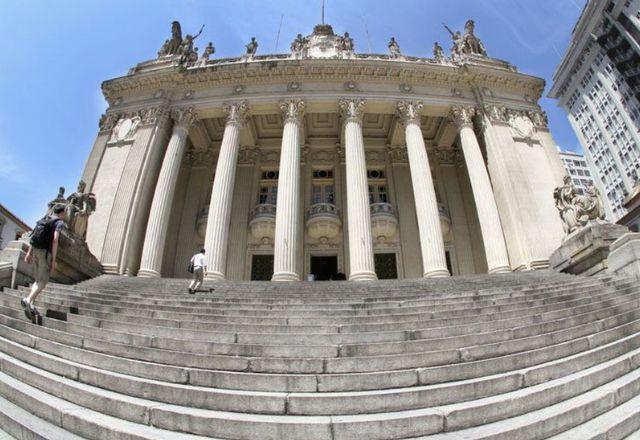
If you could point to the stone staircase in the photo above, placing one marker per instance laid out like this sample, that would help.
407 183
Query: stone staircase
517 356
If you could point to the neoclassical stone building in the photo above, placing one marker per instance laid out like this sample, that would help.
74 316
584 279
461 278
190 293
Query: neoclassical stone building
324 160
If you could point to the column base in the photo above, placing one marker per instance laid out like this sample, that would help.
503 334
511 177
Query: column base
500 269
363 276
148 273
285 276
214 276
110 269
438 273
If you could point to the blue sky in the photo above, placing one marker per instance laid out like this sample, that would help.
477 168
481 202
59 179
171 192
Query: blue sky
56 54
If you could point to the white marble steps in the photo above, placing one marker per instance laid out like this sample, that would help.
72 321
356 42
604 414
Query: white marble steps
521 356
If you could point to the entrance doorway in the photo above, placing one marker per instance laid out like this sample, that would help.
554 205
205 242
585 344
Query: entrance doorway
386 267
261 267
324 266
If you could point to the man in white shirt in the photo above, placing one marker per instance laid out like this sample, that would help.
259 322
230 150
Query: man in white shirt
199 268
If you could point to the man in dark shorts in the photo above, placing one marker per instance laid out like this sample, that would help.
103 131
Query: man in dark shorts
43 259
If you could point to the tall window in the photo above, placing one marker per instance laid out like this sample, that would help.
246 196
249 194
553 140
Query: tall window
377 186
323 190
268 188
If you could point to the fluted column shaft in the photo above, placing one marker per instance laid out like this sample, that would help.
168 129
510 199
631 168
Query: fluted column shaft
217 233
287 206
434 263
158 223
362 267
488 217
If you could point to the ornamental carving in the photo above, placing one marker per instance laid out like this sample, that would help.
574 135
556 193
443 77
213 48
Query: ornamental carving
125 128
521 125
448 155
397 153
200 158
375 156
539 119
323 156
462 115
269 157
292 110
108 121
495 113
236 112
576 209
153 115
409 111
183 117
247 155
351 109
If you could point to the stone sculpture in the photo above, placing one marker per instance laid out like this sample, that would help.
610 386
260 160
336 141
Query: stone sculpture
80 206
173 44
394 48
467 43
208 51
189 54
347 43
438 53
298 46
576 209
59 200
252 47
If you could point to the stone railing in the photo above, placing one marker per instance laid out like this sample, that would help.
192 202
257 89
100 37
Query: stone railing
322 209
382 208
265 210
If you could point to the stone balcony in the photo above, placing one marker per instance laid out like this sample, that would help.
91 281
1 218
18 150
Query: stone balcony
384 221
262 222
323 222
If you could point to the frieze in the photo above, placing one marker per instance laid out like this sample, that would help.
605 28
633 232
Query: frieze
269 157
323 156
447 155
375 157
397 153
199 158
247 155
108 121
539 119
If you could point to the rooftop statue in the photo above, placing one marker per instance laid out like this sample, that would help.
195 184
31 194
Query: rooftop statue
394 48
172 45
189 54
467 43
438 53
252 47
346 43
80 206
298 46
576 209
208 51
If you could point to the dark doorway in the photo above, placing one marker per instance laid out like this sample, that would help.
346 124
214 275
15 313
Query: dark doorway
324 267
261 267
386 267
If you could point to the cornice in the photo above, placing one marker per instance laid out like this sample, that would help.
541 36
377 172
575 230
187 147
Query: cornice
312 70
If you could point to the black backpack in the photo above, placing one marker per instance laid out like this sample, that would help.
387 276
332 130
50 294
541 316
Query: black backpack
42 234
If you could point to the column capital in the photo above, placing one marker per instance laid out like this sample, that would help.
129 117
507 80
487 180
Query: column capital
351 109
495 113
155 115
539 119
183 117
237 112
292 110
409 112
108 121
462 115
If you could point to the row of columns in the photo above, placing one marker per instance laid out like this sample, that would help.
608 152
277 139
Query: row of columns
288 212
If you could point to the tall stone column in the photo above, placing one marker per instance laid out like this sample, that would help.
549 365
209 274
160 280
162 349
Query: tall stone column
362 267
434 263
288 203
488 217
217 234
152 251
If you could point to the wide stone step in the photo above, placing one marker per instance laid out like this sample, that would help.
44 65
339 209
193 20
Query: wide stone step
621 370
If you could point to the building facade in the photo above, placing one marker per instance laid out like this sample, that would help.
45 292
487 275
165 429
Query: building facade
324 161
578 169
11 227
598 84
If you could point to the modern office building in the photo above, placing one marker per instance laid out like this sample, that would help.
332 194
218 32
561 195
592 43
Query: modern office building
577 167
598 84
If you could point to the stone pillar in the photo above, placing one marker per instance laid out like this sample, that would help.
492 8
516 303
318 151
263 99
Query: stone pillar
434 263
361 261
288 204
152 251
217 234
540 123
492 237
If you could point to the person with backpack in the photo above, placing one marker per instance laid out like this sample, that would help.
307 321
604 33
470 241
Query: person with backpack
42 254
197 266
